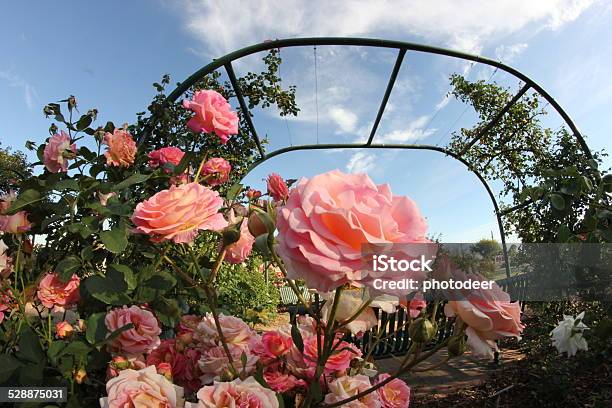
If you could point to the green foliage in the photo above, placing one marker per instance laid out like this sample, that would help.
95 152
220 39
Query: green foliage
243 292
562 195
14 167
487 248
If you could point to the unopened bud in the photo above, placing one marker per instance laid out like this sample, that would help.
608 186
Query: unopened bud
456 346
72 103
260 223
230 235
422 330
165 369
226 375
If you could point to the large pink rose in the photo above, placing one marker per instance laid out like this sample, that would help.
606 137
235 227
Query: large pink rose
240 250
184 364
214 362
217 171
277 188
142 388
275 344
246 393
179 213
57 152
489 315
212 114
346 387
327 219
160 157
53 292
142 338
121 150
394 394
17 223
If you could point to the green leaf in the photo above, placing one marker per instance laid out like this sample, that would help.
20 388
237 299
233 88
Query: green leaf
115 240
135 178
84 122
24 199
29 347
68 184
167 311
54 351
153 284
32 374
557 201
128 275
233 191
110 289
8 366
96 328
79 349
563 234
67 267
182 166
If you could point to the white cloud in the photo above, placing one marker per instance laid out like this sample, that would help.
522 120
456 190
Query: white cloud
508 53
345 119
415 131
14 80
361 162
467 25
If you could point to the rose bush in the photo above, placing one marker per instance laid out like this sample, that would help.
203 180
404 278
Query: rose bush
122 297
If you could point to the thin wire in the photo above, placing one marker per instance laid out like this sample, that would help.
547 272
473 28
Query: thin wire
462 113
280 76
316 90
467 74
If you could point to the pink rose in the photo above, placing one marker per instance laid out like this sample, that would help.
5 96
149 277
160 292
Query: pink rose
235 331
240 250
53 292
142 338
179 213
63 329
327 219
394 394
212 114
346 387
274 344
58 151
339 361
6 262
282 382
166 155
183 364
142 388
214 363
121 149
246 393
489 315
217 171
277 188
17 223
7 302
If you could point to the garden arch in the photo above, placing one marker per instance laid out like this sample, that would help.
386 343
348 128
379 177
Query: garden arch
402 48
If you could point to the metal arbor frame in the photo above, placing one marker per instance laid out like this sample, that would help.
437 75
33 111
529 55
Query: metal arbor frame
402 48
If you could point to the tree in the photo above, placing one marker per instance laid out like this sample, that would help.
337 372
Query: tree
487 248
14 167
562 194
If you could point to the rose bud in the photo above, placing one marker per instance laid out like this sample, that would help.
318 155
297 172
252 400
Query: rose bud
260 223
456 346
165 369
422 330
80 375
63 329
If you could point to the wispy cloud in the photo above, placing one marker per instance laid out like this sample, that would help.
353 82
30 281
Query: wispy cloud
29 92
361 162
230 24
508 53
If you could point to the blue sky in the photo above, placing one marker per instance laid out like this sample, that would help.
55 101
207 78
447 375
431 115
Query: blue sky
109 53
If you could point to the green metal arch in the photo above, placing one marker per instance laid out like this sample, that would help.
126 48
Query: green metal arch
402 47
